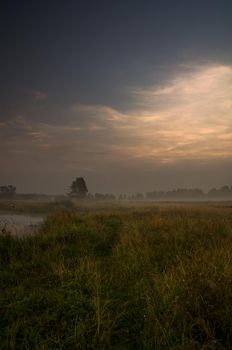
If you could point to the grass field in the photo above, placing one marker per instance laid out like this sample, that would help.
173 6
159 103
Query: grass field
135 276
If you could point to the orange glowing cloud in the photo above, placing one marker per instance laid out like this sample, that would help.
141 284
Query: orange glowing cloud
187 118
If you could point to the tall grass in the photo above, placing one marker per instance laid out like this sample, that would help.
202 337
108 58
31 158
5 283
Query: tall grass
147 278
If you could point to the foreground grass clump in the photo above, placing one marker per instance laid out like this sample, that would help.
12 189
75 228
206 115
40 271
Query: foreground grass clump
152 278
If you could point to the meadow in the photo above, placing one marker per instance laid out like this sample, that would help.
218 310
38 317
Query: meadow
120 276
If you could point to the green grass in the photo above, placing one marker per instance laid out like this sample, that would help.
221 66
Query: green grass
141 278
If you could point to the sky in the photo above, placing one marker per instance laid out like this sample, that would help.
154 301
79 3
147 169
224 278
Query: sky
132 95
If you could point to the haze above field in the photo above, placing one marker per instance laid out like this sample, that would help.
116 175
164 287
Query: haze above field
131 95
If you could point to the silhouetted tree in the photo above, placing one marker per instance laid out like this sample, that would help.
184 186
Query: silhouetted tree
90 196
139 196
101 196
223 192
78 188
7 191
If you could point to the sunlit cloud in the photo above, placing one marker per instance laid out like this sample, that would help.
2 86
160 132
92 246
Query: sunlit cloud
191 115
187 118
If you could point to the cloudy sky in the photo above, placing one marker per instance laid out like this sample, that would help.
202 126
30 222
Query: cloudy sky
131 95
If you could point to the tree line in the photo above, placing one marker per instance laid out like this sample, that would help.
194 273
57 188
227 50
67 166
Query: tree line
78 189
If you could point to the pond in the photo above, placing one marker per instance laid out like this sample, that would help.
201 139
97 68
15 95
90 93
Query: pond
19 224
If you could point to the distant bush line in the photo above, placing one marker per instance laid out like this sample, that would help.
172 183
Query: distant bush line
224 192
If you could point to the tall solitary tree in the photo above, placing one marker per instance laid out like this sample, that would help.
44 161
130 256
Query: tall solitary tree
78 188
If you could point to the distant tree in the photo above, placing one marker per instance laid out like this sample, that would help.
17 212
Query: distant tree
7 191
78 188
139 196
223 192
103 197
90 196
212 192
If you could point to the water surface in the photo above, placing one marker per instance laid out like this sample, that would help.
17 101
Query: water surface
19 224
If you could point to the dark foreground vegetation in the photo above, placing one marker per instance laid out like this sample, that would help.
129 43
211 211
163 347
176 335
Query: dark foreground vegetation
158 277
